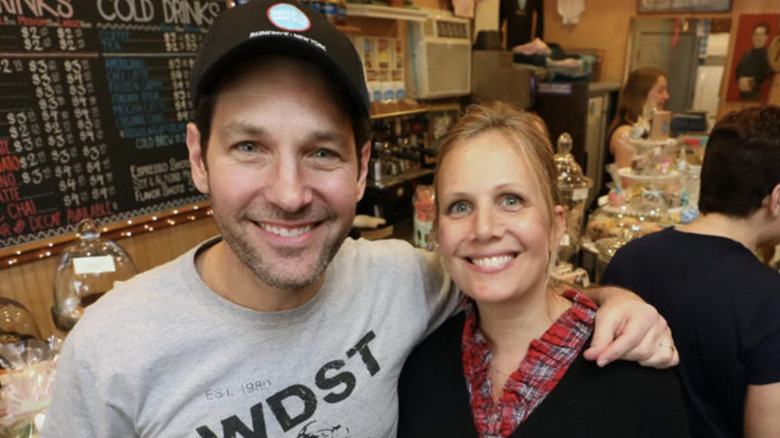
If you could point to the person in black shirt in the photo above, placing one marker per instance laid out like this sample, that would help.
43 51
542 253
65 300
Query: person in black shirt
721 302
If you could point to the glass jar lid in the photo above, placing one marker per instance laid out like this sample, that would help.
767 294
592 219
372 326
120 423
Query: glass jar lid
570 176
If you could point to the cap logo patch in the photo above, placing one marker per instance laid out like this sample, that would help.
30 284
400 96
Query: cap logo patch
288 17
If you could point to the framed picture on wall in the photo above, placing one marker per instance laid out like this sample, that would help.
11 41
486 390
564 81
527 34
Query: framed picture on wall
658 6
751 72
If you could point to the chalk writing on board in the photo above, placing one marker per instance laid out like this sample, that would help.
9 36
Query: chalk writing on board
94 101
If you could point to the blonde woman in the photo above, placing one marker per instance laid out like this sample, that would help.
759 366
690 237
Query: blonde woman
511 364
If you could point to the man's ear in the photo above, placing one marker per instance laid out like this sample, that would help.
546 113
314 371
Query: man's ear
197 161
774 201
365 156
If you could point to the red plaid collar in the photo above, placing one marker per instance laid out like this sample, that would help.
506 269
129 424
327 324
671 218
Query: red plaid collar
544 365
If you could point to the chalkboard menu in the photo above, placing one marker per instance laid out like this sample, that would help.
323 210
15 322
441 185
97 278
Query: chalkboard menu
94 100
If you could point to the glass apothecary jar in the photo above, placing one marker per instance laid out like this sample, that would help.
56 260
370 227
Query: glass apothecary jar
574 188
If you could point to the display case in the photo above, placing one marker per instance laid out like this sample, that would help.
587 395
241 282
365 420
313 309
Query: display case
646 197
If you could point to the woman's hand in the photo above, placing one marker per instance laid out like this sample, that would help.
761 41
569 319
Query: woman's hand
627 328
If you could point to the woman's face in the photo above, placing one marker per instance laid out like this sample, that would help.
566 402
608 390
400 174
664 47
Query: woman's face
658 95
494 226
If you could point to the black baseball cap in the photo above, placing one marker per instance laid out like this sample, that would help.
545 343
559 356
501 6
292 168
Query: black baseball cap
279 27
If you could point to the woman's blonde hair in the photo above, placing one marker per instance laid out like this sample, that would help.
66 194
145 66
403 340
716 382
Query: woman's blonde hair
522 131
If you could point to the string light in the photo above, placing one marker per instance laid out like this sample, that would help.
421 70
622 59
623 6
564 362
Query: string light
142 223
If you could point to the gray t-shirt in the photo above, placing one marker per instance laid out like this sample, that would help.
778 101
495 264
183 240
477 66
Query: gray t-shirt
161 355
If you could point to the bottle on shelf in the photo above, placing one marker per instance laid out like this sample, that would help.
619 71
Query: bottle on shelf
317 5
331 11
341 14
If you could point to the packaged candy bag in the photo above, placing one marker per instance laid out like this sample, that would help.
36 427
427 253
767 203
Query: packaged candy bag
29 367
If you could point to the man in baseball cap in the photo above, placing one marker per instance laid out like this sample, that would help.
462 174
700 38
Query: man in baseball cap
279 327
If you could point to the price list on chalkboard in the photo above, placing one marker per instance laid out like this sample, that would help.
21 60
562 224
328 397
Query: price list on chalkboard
94 101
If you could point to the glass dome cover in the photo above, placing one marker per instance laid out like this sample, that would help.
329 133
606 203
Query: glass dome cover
88 269
16 322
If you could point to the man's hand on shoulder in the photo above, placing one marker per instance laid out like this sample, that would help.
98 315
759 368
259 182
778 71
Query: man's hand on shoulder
627 328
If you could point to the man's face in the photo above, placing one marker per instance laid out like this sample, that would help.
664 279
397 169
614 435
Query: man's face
760 36
282 171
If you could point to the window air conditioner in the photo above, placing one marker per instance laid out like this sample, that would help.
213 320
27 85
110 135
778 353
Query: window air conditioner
440 52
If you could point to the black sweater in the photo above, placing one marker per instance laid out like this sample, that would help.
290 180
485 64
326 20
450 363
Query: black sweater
622 400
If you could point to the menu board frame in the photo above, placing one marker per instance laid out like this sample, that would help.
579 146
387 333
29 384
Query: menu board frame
670 6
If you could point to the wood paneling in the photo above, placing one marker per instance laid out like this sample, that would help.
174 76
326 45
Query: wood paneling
433 4
604 25
32 284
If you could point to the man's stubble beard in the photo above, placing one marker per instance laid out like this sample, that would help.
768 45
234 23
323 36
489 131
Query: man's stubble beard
253 260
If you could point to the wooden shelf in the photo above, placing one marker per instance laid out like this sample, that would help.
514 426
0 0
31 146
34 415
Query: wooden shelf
53 246
382 110
349 29
392 181
386 12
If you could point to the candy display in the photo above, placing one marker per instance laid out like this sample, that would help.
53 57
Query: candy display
29 367
658 190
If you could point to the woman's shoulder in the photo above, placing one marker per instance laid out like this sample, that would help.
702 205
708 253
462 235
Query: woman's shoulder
628 378
620 131
437 355
618 400
446 336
